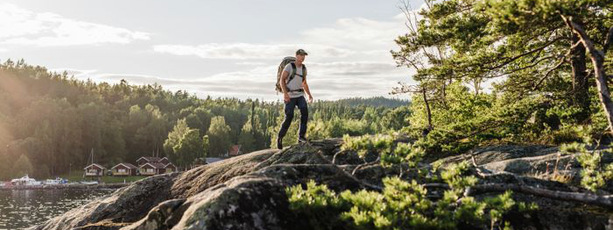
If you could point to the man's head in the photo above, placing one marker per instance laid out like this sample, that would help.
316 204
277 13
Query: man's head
300 55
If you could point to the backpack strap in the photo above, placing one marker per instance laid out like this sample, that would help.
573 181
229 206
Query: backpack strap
293 73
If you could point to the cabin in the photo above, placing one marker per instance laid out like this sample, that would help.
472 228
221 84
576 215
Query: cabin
170 168
144 160
149 169
124 169
164 161
234 150
94 170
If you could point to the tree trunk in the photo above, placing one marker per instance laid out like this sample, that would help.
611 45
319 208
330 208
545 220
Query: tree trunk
580 91
423 91
597 58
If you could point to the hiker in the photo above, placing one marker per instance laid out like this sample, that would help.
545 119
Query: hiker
293 84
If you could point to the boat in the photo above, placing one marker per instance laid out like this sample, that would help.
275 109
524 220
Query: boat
57 180
26 181
89 182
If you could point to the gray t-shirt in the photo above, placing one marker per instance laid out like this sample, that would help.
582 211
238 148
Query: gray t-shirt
295 83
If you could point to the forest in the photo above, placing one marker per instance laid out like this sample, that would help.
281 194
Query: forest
50 123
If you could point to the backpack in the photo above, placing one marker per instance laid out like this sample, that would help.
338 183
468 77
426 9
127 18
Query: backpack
292 74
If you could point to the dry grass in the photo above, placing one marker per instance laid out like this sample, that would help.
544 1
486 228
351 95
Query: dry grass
554 174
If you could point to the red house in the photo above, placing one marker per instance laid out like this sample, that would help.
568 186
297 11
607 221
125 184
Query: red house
94 170
164 161
144 160
170 168
149 169
234 150
124 169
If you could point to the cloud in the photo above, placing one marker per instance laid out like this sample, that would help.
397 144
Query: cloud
328 81
24 27
346 38
244 51
353 68
358 33
75 72
247 63
349 58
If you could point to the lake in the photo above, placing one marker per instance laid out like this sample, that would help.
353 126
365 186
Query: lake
24 208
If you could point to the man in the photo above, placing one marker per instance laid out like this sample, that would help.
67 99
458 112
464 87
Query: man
293 95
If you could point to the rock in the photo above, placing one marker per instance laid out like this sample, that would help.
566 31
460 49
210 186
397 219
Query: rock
163 216
499 153
122 207
199 179
248 191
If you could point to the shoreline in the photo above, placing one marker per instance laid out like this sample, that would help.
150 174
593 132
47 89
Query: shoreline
67 186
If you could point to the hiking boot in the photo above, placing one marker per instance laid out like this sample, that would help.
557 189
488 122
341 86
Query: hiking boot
279 143
302 140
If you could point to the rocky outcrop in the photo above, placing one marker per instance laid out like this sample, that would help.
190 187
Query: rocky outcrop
248 191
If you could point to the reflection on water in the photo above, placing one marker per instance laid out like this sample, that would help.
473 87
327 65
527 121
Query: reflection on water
24 208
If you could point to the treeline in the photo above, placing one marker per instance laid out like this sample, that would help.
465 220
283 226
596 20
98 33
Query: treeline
50 123
373 101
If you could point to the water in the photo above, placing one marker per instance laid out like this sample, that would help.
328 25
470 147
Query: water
25 208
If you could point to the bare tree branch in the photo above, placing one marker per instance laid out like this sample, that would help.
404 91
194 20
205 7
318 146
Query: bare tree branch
375 162
512 59
562 61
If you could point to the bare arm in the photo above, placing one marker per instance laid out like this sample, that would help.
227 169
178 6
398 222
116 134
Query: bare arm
284 77
305 85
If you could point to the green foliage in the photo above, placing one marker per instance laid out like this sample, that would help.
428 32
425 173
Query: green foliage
174 137
402 204
189 148
368 144
247 138
594 174
404 153
184 144
454 178
205 145
536 73
219 136
316 204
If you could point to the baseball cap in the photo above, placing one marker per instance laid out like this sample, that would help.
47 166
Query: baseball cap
301 51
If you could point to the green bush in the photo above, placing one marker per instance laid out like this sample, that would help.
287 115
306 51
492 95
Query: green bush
593 173
401 204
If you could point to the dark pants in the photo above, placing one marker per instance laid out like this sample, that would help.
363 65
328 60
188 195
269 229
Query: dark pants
289 115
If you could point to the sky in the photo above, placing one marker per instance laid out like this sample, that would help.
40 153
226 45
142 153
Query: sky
225 48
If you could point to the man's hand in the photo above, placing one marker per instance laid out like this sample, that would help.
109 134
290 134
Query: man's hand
286 97
310 99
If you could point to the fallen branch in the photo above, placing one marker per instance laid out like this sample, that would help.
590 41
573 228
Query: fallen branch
605 201
588 198
366 164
